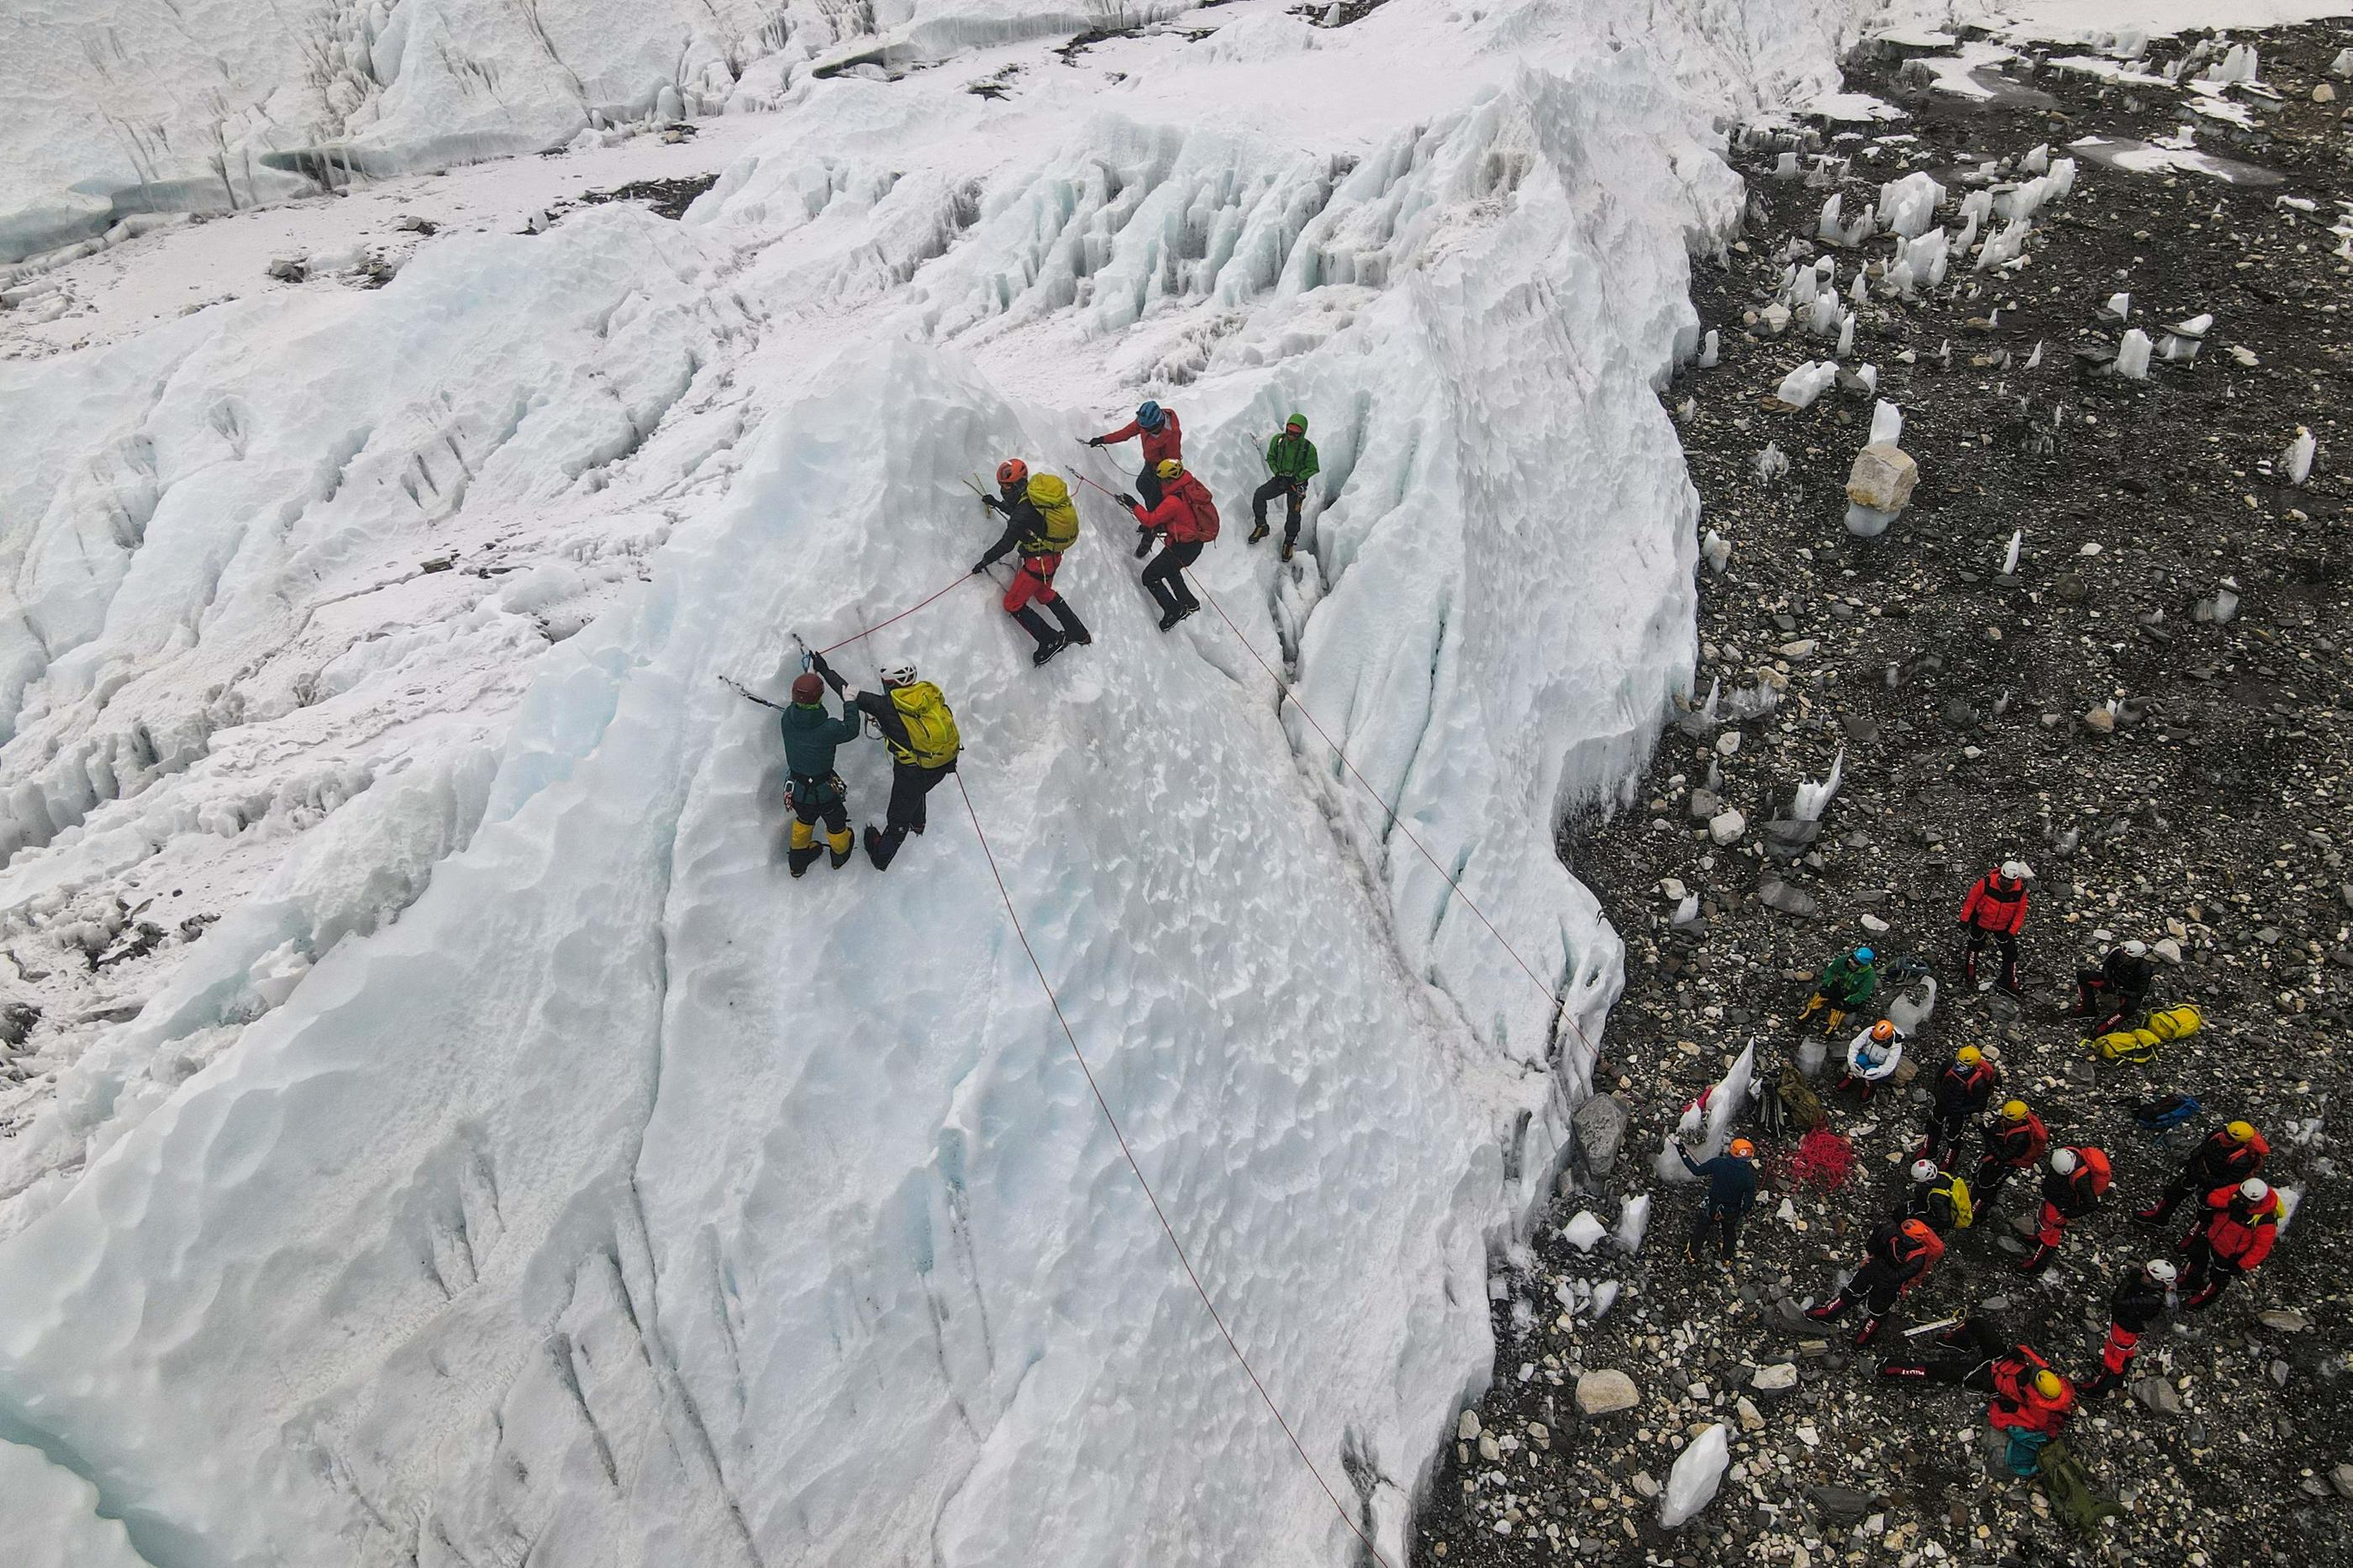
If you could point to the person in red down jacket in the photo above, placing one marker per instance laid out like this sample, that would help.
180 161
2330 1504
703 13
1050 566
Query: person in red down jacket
2234 1235
1164 441
1995 911
1186 519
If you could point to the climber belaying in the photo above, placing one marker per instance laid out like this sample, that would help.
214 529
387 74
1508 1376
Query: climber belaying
920 732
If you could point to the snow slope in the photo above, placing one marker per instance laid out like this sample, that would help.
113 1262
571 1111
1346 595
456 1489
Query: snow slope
521 1166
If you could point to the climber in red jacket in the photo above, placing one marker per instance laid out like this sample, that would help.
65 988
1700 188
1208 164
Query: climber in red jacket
1164 441
1186 519
1995 910
2234 1235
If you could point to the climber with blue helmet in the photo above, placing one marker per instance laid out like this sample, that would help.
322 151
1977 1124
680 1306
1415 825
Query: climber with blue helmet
1164 441
1848 982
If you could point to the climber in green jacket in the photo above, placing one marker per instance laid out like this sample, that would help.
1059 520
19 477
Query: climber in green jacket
1291 462
812 788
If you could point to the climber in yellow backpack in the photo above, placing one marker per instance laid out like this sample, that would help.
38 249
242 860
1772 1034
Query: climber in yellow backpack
1042 522
920 732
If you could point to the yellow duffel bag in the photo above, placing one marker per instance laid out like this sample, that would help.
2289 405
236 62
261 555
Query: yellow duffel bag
2127 1046
2176 1023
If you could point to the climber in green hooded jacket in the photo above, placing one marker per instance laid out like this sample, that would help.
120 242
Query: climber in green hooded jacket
1291 462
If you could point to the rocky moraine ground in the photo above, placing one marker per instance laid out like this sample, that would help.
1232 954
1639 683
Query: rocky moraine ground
2151 708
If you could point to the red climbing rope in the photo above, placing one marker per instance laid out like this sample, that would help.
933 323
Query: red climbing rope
901 615
1153 1198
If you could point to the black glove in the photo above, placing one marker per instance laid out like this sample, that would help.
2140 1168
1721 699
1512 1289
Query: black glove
992 503
1129 501
978 567
1094 440
825 672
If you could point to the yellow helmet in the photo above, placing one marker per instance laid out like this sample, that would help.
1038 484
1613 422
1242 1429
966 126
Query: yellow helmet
1169 468
2241 1131
2047 1384
2015 1111
1968 1056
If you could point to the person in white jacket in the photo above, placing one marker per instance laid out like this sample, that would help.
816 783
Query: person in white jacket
1872 1058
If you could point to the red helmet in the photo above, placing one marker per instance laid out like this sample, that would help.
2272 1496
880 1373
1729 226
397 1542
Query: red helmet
807 686
1011 472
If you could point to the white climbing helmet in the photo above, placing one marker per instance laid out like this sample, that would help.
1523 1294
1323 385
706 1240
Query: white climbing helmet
2017 870
1923 1170
2163 1272
903 673
2138 948
2062 1161
2254 1189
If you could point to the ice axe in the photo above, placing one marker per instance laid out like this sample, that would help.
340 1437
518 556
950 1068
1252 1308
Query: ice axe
737 687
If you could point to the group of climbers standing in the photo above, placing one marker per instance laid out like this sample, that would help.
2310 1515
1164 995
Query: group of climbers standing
1968 1125
1171 507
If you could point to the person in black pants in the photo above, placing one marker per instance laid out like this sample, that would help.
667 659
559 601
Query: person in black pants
2117 989
1731 1180
922 735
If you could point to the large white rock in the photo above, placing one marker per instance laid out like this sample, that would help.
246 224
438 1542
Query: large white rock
1699 1471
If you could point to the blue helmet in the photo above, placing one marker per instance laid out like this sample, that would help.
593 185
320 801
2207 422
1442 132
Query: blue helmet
1151 416
1864 955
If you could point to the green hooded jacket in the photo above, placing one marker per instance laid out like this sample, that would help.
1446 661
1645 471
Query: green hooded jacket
1293 457
810 736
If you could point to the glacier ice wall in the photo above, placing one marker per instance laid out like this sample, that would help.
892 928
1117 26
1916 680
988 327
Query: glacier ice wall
525 1169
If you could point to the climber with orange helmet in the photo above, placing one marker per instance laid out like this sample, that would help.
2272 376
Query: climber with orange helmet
1731 1178
1897 1258
2015 1141
1871 1059
1041 521
2229 1155
2078 1179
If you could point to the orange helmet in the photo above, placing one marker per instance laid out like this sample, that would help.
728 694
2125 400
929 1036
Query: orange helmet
1743 1149
1883 1031
1011 472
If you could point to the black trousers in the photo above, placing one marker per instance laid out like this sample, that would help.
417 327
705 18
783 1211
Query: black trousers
2005 943
1294 495
1719 1220
2095 997
1992 1176
1147 486
909 784
814 803
1163 579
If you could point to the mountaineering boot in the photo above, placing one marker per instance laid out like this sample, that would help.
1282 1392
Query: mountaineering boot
1827 1310
1903 1369
1261 532
2101 1385
2205 1299
1035 624
1289 549
1050 647
841 843
881 844
800 851
2035 1261
800 860
1171 615
1868 1333
1074 628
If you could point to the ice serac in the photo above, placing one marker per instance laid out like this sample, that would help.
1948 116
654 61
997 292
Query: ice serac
623 1201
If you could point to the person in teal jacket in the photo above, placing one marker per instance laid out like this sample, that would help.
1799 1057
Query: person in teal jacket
812 788
1291 462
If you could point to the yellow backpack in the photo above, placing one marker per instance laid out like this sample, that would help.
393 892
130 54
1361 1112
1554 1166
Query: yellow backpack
933 740
1051 497
1964 1212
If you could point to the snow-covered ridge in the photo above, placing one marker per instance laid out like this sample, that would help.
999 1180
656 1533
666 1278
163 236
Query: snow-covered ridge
523 1167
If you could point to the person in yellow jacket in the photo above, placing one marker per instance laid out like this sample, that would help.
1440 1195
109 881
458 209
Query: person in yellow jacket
922 734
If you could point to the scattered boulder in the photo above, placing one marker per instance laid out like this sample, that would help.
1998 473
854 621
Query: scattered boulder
1601 1128
1775 1379
1883 478
1604 1392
